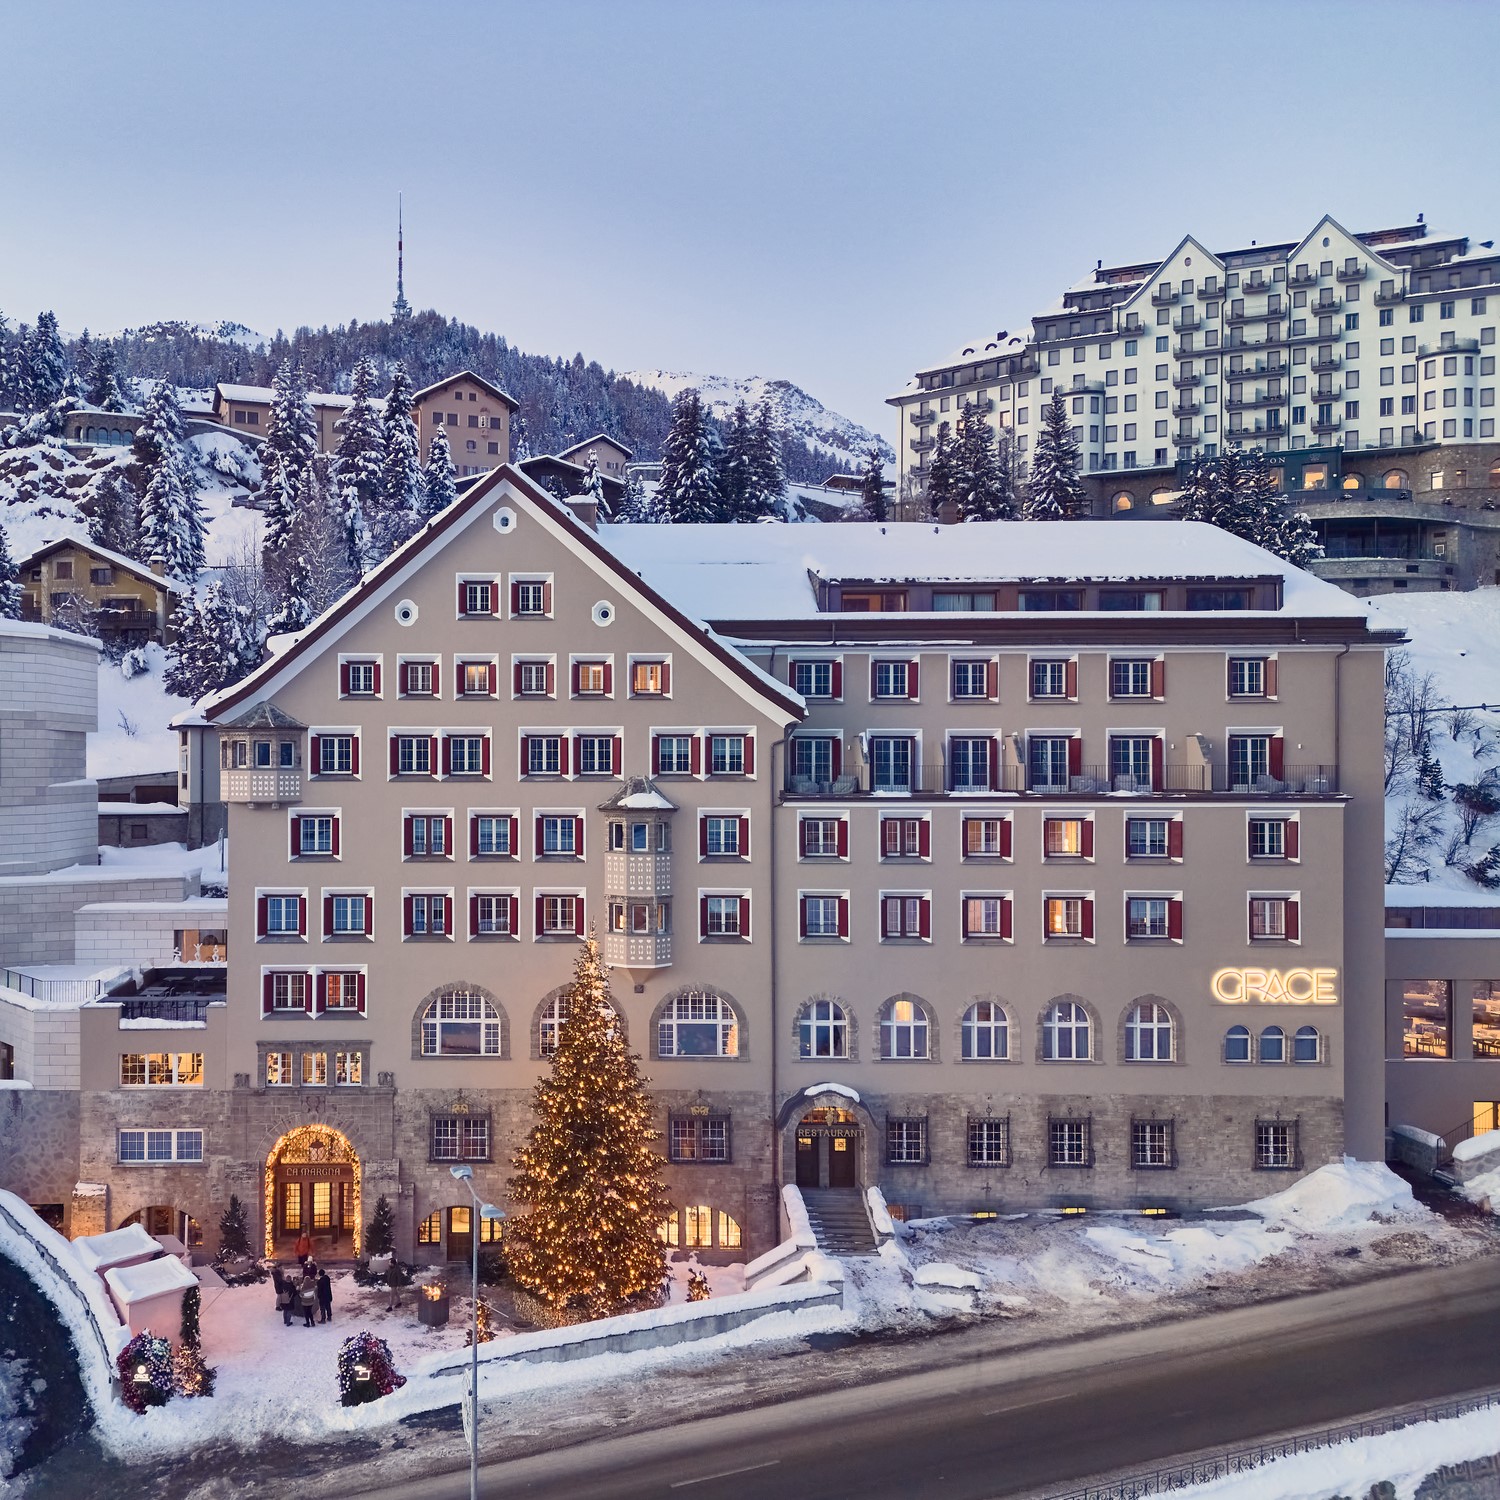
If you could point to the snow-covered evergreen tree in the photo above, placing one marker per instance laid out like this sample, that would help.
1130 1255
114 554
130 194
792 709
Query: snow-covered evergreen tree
10 582
401 467
979 483
45 364
104 388
1429 773
521 437
767 491
1056 490
873 505
942 486
593 482
737 474
290 445
357 464
113 509
689 489
1273 521
439 478
214 644
171 520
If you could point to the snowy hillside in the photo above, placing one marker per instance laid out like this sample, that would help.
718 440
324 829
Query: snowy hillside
223 331
803 416
1451 664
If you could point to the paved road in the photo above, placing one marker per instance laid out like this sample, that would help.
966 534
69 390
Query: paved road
1022 1423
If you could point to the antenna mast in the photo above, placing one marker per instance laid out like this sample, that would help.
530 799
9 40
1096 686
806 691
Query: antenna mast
401 309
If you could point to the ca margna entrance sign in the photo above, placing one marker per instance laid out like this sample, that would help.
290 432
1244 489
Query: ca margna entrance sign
1276 986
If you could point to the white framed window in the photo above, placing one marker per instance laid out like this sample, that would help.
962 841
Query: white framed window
675 754
414 755
823 1030
279 1070
530 597
721 835
315 833
989 1141
159 1146
361 678
1152 1144
906 1141
905 1031
985 917
813 679
460 1023
697 1023
1149 1033
986 1032
1066 1033
335 754
823 916
889 679
969 763
341 989
161 1070
986 838
1070 1143
823 838
722 916
1146 917
419 679
314 1069
971 680
492 835
350 914
559 835
596 754
288 990
428 916
1247 677
726 754
477 598
1049 678
1147 838
1276 1145
559 915
533 678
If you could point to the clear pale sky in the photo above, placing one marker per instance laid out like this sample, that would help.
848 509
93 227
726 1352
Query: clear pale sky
831 192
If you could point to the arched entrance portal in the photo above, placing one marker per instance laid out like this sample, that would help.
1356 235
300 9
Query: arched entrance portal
312 1183
828 1148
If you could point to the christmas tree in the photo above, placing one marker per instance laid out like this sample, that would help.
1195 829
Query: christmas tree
588 1174
380 1233
697 1286
1056 491
10 586
234 1231
438 478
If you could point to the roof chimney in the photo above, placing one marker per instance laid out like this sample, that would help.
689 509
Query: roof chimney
586 509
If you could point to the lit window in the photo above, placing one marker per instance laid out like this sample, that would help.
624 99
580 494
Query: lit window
460 1024
697 1023
904 1031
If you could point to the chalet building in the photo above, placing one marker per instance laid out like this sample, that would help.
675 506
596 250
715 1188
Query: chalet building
476 415
1001 866
565 480
612 456
72 572
1361 364
246 409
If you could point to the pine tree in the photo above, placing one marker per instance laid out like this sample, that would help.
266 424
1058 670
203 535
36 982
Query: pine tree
593 482
214 644
1199 498
767 493
737 469
1429 773
45 364
589 1174
10 582
171 520
357 464
873 505
942 478
104 389
380 1233
439 488
689 489
400 468
979 482
234 1230
521 437
1270 520
113 509
1056 490
291 444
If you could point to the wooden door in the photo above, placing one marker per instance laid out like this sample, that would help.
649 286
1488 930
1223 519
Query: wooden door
841 1161
808 1175
460 1235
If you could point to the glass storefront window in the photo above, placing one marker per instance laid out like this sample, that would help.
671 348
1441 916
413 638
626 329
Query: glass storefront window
1487 1018
1426 1013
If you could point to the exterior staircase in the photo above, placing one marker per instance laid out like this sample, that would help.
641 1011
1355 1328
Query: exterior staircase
840 1220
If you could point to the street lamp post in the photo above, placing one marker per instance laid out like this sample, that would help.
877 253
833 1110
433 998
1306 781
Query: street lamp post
465 1175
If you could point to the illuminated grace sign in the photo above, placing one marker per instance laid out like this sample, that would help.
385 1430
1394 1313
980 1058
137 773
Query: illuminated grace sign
1276 986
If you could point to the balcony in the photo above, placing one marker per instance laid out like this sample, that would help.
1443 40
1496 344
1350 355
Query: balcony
1325 364
1160 298
1302 278
1187 323
985 407
1387 296
1352 273
1250 434
629 950
1322 425
1259 369
1187 408
1210 291
1452 345
1363 569
638 875
1184 349
1235 317
276 785
922 445
1325 307
1249 403
1183 381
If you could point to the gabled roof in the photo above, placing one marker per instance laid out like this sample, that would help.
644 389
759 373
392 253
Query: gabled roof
638 794
1144 291
598 437
1329 222
264 395
478 380
264 716
406 560
68 537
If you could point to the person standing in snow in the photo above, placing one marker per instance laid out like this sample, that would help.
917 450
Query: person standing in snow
283 1296
307 1298
393 1281
325 1297
304 1249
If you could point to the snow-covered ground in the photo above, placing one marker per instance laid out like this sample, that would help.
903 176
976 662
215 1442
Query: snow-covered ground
133 716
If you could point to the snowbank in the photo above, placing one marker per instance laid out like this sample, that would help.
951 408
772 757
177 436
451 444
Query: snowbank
133 716
1341 1196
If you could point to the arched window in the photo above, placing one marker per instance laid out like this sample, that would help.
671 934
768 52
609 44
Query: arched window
549 1023
1237 1044
1148 1033
1123 501
460 1024
1307 1045
986 1031
1163 496
430 1230
698 1226
1273 1045
824 1030
89 435
1065 1032
1395 479
903 1029
1495 475
697 1023
730 1237
1353 481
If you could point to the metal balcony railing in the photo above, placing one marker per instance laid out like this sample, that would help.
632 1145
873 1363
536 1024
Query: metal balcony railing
168 1008
1302 278
1183 381
1326 306
1352 273
1173 780
1388 295
1325 364
1160 298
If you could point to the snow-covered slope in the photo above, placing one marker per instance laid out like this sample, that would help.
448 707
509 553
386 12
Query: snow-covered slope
803 416
228 332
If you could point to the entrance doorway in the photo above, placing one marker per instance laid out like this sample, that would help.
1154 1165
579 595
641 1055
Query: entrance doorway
460 1232
828 1144
312 1184
162 1219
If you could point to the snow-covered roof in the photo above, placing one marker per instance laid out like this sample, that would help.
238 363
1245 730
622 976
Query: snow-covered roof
152 1278
70 536
265 394
598 437
98 1251
638 794
479 380
36 631
140 809
765 572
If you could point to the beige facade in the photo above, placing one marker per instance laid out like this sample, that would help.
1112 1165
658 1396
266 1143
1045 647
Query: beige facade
476 416
991 905
612 455
247 410
132 602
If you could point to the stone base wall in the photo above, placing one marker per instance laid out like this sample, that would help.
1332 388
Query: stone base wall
39 1140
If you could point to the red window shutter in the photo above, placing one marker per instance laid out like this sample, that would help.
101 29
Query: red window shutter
546 598
1293 921
515 838
836 758
616 755
315 754
1268 677
562 754
327 915
1088 838
843 838
267 992
573 679
749 755
843 916
492 673
461 598
515 679
992 681
885 917
343 679
1088 917
1005 827
578 837
874 693
791 673
369 915
515 915
1174 918
484 755
666 679
537 840
437 686
1075 756
1072 679
912 685
609 678
473 837
377 679
432 754
336 822
1289 837
744 919
656 755
924 838
551 678
744 838
515 597
703 916
447 755
525 753
1278 756
702 836
802 916
1159 678
1007 917
260 916
406 916
301 916
802 836
403 677
924 918
320 995
578 916
296 837
836 680
696 763
395 746
1174 839
1158 764
473 916
406 835
354 755
359 991
539 928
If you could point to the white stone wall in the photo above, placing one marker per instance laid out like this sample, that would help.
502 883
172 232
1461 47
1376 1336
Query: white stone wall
141 933
46 1043
37 914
